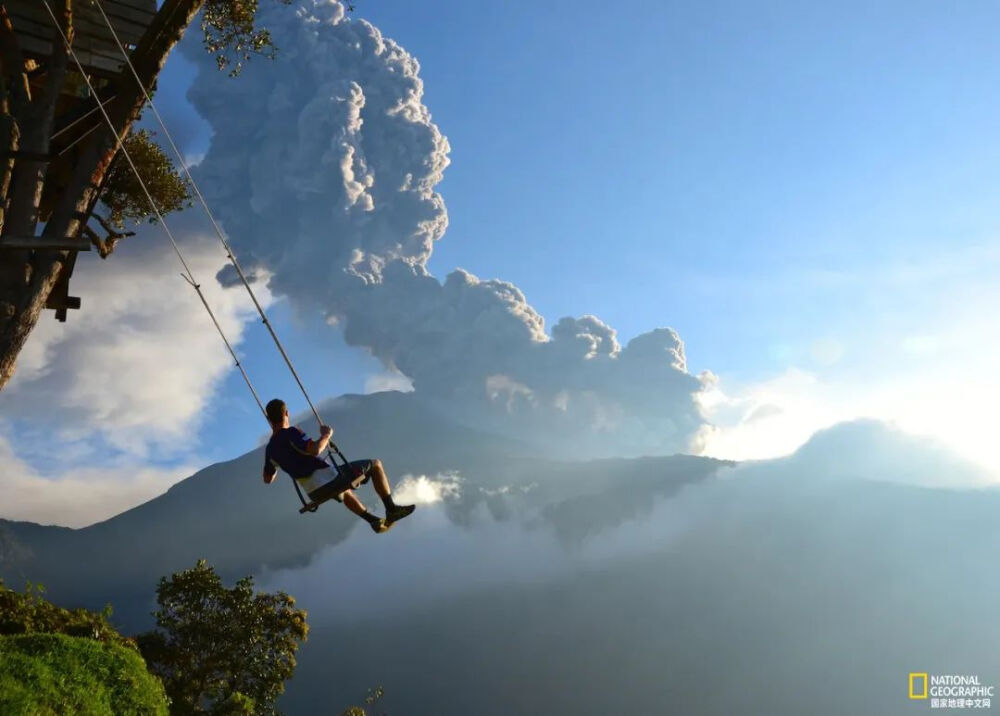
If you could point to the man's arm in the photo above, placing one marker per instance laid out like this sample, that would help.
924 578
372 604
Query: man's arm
315 447
270 471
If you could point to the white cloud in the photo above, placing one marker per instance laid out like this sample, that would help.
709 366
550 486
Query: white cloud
427 560
388 380
767 419
138 363
81 496
775 417
424 490
122 381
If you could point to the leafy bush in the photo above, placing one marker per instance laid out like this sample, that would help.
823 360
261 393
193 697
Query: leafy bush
30 613
56 674
123 194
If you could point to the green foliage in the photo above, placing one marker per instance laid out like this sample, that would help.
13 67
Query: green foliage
230 32
231 35
123 195
371 699
221 650
29 613
58 674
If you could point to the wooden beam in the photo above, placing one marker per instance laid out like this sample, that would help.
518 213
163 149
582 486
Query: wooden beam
68 303
43 242
59 299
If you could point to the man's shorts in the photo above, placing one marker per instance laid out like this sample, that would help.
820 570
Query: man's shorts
349 477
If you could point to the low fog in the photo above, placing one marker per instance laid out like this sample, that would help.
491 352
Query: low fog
809 584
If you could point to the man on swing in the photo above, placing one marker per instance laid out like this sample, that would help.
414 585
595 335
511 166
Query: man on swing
290 449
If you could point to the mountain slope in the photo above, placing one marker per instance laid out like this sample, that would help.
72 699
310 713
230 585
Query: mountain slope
225 514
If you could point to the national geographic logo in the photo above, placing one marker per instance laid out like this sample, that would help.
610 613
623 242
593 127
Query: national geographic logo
950 691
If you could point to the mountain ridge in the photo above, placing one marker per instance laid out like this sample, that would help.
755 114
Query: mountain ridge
224 512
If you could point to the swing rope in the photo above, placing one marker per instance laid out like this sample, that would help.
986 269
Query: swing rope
230 254
188 275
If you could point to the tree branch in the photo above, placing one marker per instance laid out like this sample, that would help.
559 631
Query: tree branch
107 244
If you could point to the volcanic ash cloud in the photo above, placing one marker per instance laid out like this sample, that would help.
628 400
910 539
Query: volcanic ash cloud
323 169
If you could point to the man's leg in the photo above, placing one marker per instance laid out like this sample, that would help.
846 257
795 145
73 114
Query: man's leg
352 503
380 482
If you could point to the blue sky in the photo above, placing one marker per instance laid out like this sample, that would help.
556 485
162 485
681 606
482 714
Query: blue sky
663 155
698 164
806 193
762 177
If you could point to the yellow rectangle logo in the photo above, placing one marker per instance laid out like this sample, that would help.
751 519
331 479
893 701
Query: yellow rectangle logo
918 680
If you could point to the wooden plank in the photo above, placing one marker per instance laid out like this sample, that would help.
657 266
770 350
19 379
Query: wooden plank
34 45
134 9
138 12
86 19
42 49
60 303
88 23
44 242
122 14
128 30
141 11
93 43
88 36
97 63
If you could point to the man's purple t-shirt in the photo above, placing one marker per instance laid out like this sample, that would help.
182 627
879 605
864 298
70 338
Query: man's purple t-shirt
287 450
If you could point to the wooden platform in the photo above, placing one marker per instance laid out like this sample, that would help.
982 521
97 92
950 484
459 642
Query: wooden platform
93 43
42 242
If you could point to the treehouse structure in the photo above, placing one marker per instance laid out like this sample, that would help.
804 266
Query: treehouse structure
77 114
93 43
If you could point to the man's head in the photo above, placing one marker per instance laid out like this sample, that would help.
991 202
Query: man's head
277 413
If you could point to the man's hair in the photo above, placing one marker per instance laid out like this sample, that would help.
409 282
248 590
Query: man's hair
276 411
